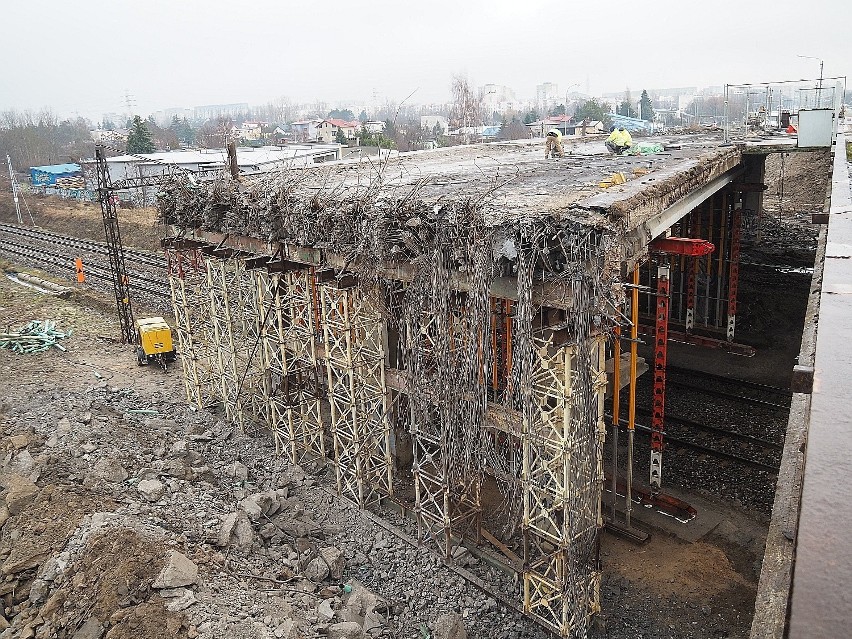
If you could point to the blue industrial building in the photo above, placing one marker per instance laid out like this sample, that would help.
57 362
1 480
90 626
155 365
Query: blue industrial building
48 175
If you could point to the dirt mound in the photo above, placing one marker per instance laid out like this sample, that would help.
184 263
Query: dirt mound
44 526
111 584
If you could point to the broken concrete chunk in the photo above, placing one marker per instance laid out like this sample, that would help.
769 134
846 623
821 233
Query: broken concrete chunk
345 630
249 507
373 621
24 463
151 489
178 571
267 502
20 491
176 467
110 470
92 629
19 441
333 557
450 626
316 570
181 599
236 531
325 611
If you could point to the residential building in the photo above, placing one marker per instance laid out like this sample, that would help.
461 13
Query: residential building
327 129
118 136
497 97
585 127
547 95
375 126
306 130
563 123
250 131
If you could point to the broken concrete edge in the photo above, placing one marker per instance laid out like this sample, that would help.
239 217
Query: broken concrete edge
552 294
776 574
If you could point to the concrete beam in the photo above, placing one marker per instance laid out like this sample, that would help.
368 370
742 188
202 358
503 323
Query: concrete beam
640 237
554 295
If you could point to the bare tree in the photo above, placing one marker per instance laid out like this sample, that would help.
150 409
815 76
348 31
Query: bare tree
214 134
32 139
466 108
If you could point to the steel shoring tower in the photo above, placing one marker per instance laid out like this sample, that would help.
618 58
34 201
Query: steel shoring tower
115 249
561 490
222 281
187 273
246 303
290 378
447 510
355 361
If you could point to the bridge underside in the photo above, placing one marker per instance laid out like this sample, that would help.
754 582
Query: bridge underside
435 328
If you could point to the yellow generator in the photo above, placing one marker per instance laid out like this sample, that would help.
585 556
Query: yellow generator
155 342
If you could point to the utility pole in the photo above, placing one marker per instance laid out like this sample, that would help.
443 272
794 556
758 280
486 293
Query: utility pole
819 86
14 189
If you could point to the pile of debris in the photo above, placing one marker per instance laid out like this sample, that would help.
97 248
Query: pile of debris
118 524
35 337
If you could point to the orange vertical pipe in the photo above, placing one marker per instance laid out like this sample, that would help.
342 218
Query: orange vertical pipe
634 336
616 377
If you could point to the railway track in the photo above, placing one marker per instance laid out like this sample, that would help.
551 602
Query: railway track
738 389
47 250
761 454
721 434
100 248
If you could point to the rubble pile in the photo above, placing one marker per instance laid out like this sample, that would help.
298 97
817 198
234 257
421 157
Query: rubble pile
167 522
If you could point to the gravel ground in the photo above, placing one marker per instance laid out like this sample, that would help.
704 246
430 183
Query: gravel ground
130 488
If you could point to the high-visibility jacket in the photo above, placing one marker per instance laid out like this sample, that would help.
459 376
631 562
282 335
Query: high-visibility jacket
620 138
555 133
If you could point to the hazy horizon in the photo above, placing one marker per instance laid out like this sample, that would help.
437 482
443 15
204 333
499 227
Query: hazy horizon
81 58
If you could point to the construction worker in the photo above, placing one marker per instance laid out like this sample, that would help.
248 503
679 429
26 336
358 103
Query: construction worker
553 144
619 140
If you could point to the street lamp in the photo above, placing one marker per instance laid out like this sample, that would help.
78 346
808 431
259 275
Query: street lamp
819 90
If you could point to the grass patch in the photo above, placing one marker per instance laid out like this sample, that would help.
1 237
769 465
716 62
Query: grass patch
849 151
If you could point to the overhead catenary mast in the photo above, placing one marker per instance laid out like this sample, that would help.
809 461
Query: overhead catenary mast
14 189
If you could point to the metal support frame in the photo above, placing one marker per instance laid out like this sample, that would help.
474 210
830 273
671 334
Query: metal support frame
561 478
266 327
115 249
292 367
734 269
447 511
357 394
187 273
222 283
658 404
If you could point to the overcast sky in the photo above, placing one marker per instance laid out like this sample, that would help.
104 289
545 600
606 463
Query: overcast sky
82 56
